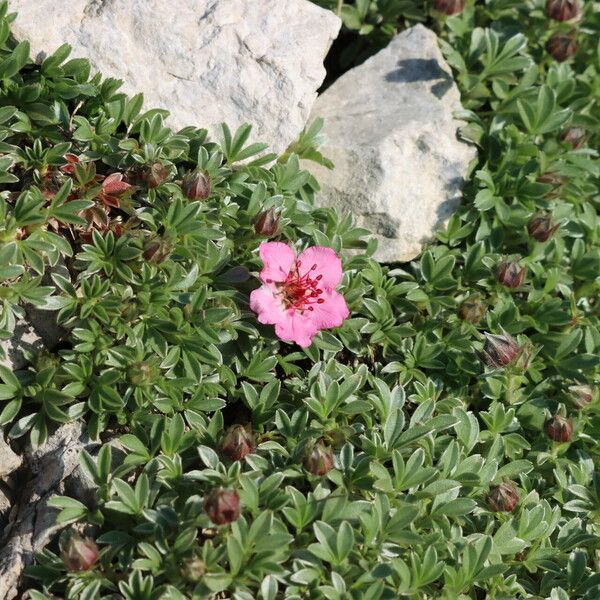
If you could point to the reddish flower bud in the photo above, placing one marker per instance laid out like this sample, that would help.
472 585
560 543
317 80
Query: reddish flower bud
155 174
540 227
576 137
472 310
562 10
157 250
501 350
80 554
503 497
267 223
510 274
238 442
196 185
450 7
319 459
581 395
193 569
222 506
559 429
551 178
562 46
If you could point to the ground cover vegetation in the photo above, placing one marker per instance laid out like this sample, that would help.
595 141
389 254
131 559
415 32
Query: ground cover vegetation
434 432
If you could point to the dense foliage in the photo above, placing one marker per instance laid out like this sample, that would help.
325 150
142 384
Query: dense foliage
401 455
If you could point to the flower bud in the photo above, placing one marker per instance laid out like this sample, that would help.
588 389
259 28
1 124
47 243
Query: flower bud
80 554
472 310
196 185
501 350
576 137
193 569
562 46
157 250
267 223
319 459
449 7
222 506
142 373
559 429
503 497
540 227
155 174
510 274
562 10
238 442
581 395
551 178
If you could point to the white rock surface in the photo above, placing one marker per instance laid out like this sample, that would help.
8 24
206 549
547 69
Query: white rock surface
206 61
24 337
390 132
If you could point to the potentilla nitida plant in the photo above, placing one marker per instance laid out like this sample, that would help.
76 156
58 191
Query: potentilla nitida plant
562 10
503 497
511 274
222 506
559 429
501 350
562 46
80 553
238 441
298 293
318 459
449 7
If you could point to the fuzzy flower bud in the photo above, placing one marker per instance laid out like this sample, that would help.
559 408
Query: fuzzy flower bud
238 442
193 569
157 250
503 497
501 350
576 137
319 459
267 223
196 185
581 395
449 7
510 274
143 373
155 174
80 553
559 429
222 506
562 10
562 46
472 310
541 228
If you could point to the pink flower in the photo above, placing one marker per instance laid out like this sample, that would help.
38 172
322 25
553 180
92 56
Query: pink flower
298 293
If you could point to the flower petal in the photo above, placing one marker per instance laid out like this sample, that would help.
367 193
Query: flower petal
296 328
267 305
325 262
278 259
331 313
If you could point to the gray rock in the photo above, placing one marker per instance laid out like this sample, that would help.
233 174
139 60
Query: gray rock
9 460
33 525
24 338
390 131
206 61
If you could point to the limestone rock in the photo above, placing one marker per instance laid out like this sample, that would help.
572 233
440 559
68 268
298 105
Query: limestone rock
9 460
390 131
24 337
206 61
33 526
